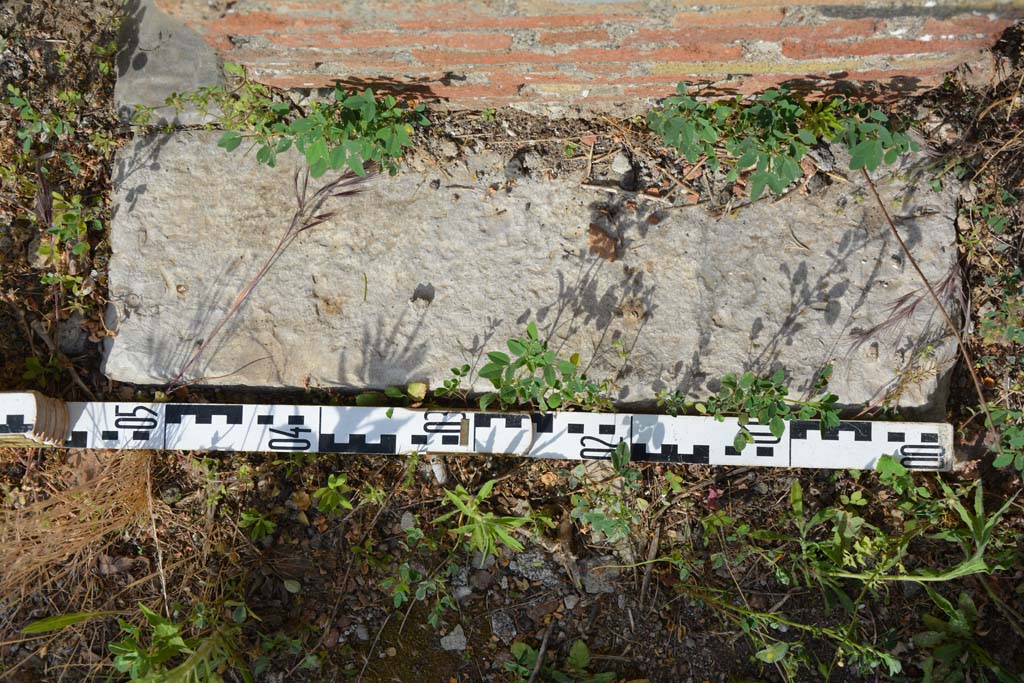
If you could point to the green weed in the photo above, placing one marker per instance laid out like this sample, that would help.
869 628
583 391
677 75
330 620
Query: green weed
258 524
534 376
951 651
351 131
160 652
765 399
35 127
333 498
575 669
772 132
1010 423
609 513
1004 324
41 373
72 220
485 530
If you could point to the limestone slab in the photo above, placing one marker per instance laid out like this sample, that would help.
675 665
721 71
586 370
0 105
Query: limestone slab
428 270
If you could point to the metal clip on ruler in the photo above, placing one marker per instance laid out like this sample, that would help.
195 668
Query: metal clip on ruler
30 419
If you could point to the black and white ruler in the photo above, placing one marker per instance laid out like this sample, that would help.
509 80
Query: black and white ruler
31 419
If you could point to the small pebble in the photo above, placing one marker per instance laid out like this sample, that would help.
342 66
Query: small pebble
454 641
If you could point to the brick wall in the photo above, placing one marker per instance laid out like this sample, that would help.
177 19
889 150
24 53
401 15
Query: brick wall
594 52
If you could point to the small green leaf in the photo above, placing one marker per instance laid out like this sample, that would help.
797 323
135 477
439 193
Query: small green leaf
773 653
292 586
499 358
1003 459
740 441
486 400
866 155
60 621
796 498
370 399
416 390
579 656
230 140
887 466
758 179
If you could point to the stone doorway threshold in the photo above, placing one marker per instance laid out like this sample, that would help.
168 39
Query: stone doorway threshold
434 267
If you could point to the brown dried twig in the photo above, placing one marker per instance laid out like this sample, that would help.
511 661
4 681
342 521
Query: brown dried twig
52 538
308 214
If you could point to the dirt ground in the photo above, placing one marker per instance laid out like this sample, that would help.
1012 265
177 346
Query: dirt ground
666 574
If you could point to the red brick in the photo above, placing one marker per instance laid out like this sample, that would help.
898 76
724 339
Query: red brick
463 92
582 56
552 21
840 28
875 46
307 61
964 24
252 23
651 79
297 80
648 91
560 37
377 39
730 17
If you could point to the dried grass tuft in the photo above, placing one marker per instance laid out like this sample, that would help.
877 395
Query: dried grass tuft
48 540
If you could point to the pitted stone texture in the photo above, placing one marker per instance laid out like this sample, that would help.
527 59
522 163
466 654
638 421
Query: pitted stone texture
689 296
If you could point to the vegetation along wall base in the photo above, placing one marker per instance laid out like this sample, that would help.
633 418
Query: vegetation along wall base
31 419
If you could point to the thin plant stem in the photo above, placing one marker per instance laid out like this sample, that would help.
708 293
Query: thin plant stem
938 303
306 216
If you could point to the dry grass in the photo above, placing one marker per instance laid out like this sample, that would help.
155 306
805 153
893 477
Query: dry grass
51 538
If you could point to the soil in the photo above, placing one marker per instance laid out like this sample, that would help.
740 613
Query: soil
317 602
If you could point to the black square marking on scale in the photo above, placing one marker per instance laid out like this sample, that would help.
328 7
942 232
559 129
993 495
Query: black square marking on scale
575 428
296 420
77 440
929 438
140 436
357 444
265 419
450 440
729 450
765 451
512 421
203 414
419 439
108 435
15 424
897 437
606 429
543 423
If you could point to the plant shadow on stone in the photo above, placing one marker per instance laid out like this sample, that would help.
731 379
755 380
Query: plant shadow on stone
309 214
387 356
618 313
